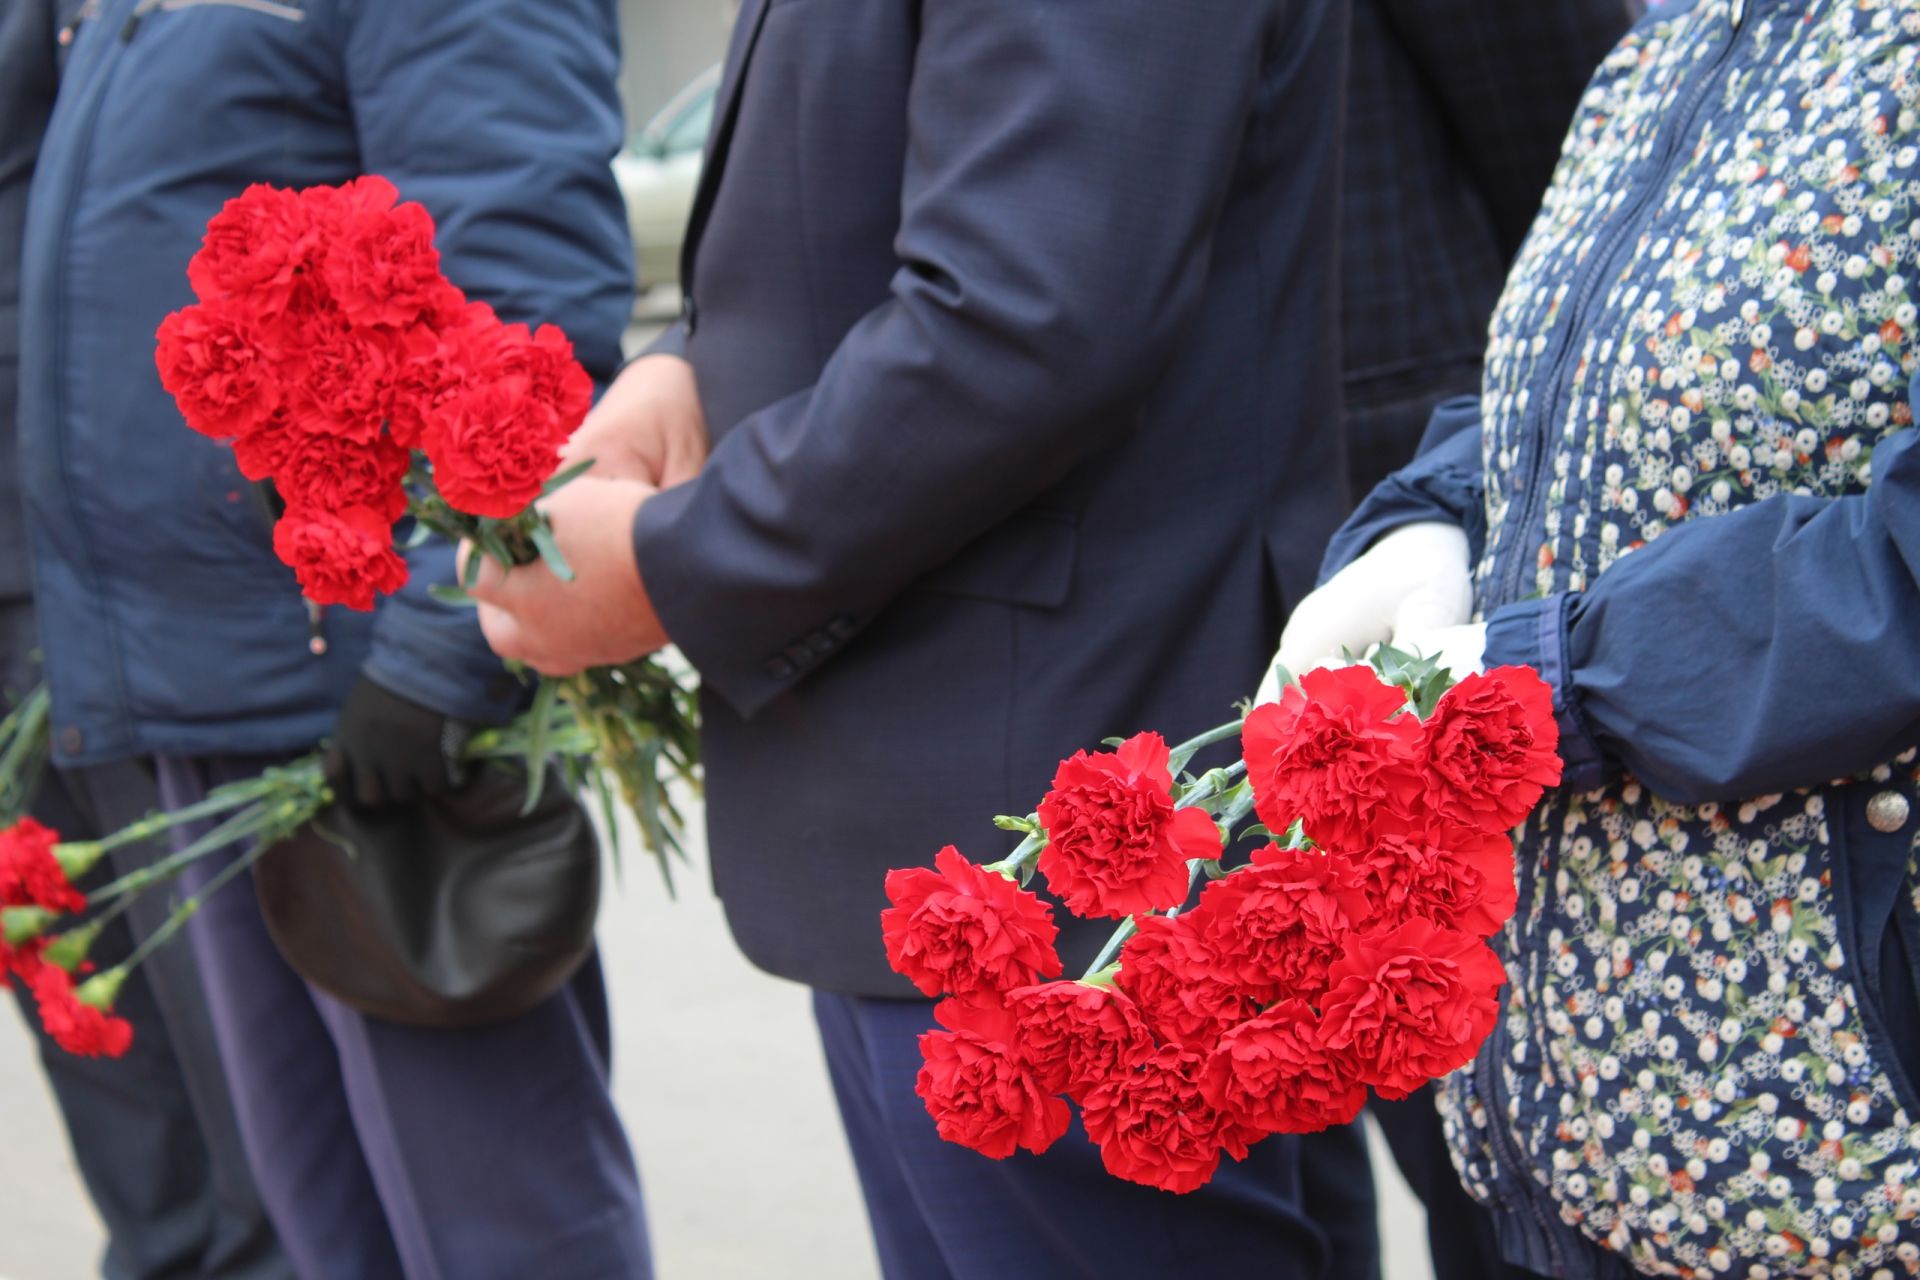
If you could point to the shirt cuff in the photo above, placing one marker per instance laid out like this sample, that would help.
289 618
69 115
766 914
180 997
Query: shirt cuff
1533 633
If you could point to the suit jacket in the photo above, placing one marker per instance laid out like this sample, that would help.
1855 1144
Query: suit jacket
1016 330
1455 114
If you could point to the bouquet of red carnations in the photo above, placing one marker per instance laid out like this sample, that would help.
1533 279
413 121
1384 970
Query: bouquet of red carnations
333 356
1347 954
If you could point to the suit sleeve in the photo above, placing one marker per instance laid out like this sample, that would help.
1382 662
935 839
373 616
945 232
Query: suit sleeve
1066 166
501 117
1444 482
1508 78
1769 648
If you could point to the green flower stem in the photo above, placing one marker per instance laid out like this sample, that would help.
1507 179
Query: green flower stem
1025 853
187 910
1180 755
284 812
1211 785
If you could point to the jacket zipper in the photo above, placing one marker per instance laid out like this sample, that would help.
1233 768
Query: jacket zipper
287 12
1597 270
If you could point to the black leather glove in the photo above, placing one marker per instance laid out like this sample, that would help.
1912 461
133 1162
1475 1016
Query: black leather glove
387 750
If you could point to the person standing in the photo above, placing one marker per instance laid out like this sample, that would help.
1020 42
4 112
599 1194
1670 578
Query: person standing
1455 115
1008 327
153 1133
1690 498
173 632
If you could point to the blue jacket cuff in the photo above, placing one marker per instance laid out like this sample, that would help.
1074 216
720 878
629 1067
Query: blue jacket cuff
1533 633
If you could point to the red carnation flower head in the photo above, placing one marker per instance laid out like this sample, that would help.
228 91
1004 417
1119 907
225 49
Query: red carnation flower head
212 363
1334 751
979 1089
262 246
963 930
429 369
30 874
1075 1035
1154 1126
1274 1074
263 453
544 358
381 267
1458 877
1116 846
340 376
331 473
343 557
493 447
1276 927
22 961
1183 987
78 1028
1492 749
1410 1003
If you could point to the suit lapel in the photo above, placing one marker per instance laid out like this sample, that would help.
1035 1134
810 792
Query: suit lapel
746 34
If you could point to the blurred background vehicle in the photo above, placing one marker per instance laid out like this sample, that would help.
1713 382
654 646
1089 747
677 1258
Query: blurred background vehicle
658 172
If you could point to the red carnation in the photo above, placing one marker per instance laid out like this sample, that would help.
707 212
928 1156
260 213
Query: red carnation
339 376
331 473
21 962
429 369
979 1091
381 267
1492 748
1183 986
1411 1003
544 358
30 874
262 454
1454 876
341 557
1277 926
261 244
1154 1126
1274 1074
1334 751
78 1028
493 447
962 930
1115 843
211 362
1075 1035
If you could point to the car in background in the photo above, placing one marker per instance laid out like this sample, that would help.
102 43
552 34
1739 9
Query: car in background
658 173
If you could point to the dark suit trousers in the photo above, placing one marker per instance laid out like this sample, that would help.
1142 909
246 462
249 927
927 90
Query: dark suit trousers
153 1133
942 1212
384 1151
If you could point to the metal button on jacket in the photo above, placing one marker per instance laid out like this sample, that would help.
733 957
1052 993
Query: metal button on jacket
1887 812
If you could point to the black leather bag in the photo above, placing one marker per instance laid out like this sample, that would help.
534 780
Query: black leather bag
450 913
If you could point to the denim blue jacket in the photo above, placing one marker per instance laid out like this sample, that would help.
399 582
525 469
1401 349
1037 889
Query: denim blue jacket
1694 489
169 625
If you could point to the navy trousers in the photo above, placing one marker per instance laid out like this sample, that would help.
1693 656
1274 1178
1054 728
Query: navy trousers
386 1152
153 1133
942 1212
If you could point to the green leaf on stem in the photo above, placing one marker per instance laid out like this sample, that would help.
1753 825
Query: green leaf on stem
541 716
457 597
563 478
470 572
550 552
1113 742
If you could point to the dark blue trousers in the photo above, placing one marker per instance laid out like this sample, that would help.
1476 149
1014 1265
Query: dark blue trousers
942 1212
153 1133
386 1152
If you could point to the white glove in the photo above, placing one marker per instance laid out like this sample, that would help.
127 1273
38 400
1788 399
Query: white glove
1415 579
1461 650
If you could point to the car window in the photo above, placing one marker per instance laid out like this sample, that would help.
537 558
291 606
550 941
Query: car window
688 132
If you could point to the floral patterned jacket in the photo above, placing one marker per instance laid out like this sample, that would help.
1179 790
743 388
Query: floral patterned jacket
1696 490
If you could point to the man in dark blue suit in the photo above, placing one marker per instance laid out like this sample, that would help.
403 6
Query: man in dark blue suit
1014 329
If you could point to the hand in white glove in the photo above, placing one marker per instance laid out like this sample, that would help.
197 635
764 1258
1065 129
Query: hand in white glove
1415 579
1461 650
